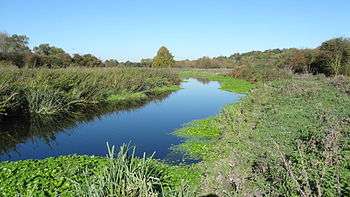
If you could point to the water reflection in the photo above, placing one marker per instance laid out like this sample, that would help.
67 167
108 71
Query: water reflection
148 126
20 129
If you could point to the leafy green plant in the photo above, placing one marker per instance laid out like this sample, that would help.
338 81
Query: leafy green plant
119 174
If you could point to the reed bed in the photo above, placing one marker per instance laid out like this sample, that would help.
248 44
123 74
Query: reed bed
54 91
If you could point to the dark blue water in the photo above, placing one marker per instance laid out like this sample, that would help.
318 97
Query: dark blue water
149 127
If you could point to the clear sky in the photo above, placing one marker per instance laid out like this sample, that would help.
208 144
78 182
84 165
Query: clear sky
132 29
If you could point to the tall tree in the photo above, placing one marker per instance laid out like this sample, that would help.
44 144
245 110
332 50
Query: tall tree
163 58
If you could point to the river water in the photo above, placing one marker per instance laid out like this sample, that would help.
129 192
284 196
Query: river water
148 127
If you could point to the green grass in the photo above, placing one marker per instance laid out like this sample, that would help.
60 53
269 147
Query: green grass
286 138
198 135
205 128
163 90
127 97
55 91
227 83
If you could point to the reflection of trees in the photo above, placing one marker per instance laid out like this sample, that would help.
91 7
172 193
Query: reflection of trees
203 80
17 130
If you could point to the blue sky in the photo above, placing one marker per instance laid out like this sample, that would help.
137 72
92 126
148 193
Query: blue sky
132 29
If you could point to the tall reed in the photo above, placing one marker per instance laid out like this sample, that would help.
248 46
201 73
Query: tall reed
126 175
53 91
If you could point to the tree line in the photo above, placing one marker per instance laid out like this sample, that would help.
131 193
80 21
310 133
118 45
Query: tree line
332 57
14 50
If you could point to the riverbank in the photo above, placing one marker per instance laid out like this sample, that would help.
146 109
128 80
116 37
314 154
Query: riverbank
177 178
286 137
66 91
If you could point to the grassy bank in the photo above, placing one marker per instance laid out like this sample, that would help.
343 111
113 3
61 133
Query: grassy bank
286 138
55 91
84 175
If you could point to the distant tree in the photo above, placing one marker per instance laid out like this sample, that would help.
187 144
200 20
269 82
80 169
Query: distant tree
13 49
163 58
146 62
205 62
111 63
14 43
299 60
336 53
16 59
33 60
77 60
52 56
3 42
131 64
91 61
46 49
86 60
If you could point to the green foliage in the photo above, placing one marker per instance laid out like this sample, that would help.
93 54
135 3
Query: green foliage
146 62
200 134
51 56
14 43
288 137
120 174
261 73
15 49
71 90
163 58
163 90
206 128
336 53
198 137
87 60
48 177
111 63
227 83
331 58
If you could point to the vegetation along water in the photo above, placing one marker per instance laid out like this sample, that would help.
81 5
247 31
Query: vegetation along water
287 136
